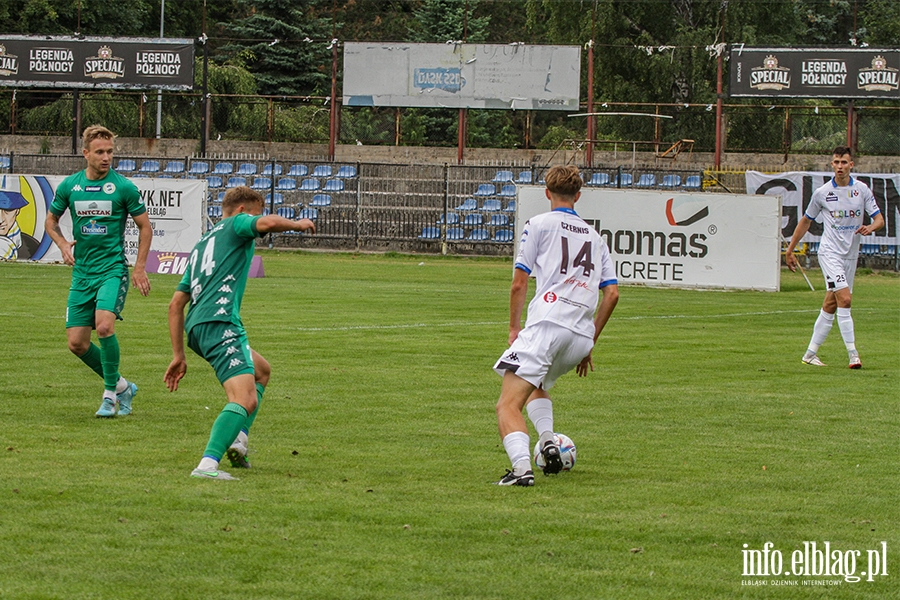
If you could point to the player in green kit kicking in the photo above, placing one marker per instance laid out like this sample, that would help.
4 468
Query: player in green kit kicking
99 201
213 286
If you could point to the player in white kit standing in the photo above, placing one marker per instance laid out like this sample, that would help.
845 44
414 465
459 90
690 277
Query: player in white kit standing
841 203
572 266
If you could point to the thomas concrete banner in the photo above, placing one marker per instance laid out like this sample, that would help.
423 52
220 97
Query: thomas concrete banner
815 73
96 63
679 239
795 190
175 208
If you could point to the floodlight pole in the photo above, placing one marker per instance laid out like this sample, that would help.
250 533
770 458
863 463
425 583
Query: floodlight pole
719 60
204 107
162 12
332 117
589 153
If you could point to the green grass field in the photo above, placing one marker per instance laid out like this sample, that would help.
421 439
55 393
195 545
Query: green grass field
699 432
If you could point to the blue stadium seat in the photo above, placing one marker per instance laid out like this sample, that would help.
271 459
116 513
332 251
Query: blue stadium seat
478 235
149 166
279 198
334 185
507 191
223 168
693 182
268 171
126 165
246 169
503 177
499 221
456 234
214 211
322 171
504 235
430 233
309 185
452 219
484 190
320 200
286 184
671 181
4 162
198 168
261 183
511 207
346 172
234 182
298 171
468 204
308 213
492 206
214 181
625 180
598 179
473 219
285 211
174 167
646 180
220 196
524 177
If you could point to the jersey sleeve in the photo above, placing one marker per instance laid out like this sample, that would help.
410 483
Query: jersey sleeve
607 269
871 206
815 206
245 226
134 203
527 249
185 284
61 198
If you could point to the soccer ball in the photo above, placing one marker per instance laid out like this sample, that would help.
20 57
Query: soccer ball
566 452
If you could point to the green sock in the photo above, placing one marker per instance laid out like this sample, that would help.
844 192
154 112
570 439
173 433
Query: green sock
260 390
109 358
92 359
228 424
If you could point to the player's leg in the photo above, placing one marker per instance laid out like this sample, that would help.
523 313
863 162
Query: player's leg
514 392
110 301
237 452
540 411
831 271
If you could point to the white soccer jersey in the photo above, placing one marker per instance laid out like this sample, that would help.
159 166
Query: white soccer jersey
842 209
570 262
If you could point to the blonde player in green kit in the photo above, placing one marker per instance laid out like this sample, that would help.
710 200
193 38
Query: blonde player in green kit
212 290
99 201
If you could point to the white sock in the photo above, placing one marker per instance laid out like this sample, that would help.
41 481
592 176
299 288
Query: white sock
516 445
845 323
540 411
109 394
241 439
121 385
207 463
820 330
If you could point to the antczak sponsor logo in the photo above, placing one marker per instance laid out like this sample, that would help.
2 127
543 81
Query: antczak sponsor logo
93 208
812 559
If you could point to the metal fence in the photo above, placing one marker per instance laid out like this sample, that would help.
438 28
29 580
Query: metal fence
799 128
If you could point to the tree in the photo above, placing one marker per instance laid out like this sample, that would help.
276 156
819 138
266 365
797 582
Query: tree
283 43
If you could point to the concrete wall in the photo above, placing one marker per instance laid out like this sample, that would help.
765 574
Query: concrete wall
286 152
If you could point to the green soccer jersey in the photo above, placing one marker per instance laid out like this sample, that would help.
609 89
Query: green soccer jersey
217 271
99 210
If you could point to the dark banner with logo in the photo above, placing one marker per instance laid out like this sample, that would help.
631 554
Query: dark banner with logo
96 63
814 73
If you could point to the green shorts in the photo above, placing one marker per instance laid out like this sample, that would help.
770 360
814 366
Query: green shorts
224 346
87 296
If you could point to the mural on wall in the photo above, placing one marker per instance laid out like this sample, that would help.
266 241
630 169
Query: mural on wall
24 200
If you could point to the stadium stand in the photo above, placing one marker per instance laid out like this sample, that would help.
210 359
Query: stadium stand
452 219
485 190
598 179
309 185
214 211
320 200
524 177
503 177
456 234
624 180
511 207
298 171
507 191
198 168
261 183
692 182
174 167
5 162
223 168
268 171
286 184
234 182
492 205
214 181
468 204
346 172
126 165
149 166
478 235
246 169
322 171
499 221
430 233
646 180
285 211
334 185
279 198
670 181
472 219
308 213
504 236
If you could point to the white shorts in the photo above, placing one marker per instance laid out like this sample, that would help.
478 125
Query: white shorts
543 353
838 272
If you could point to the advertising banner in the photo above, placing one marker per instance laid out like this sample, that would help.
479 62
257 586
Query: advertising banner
509 76
725 241
96 63
795 189
815 73
175 208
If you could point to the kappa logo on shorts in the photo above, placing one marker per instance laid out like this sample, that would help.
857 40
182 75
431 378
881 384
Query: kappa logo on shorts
228 334
512 356
550 297
235 362
231 351
225 289
221 311
223 300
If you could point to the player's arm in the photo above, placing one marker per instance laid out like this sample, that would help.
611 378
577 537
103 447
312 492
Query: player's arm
51 226
604 311
799 231
139 277
876 224
277 224
518 292
178 366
